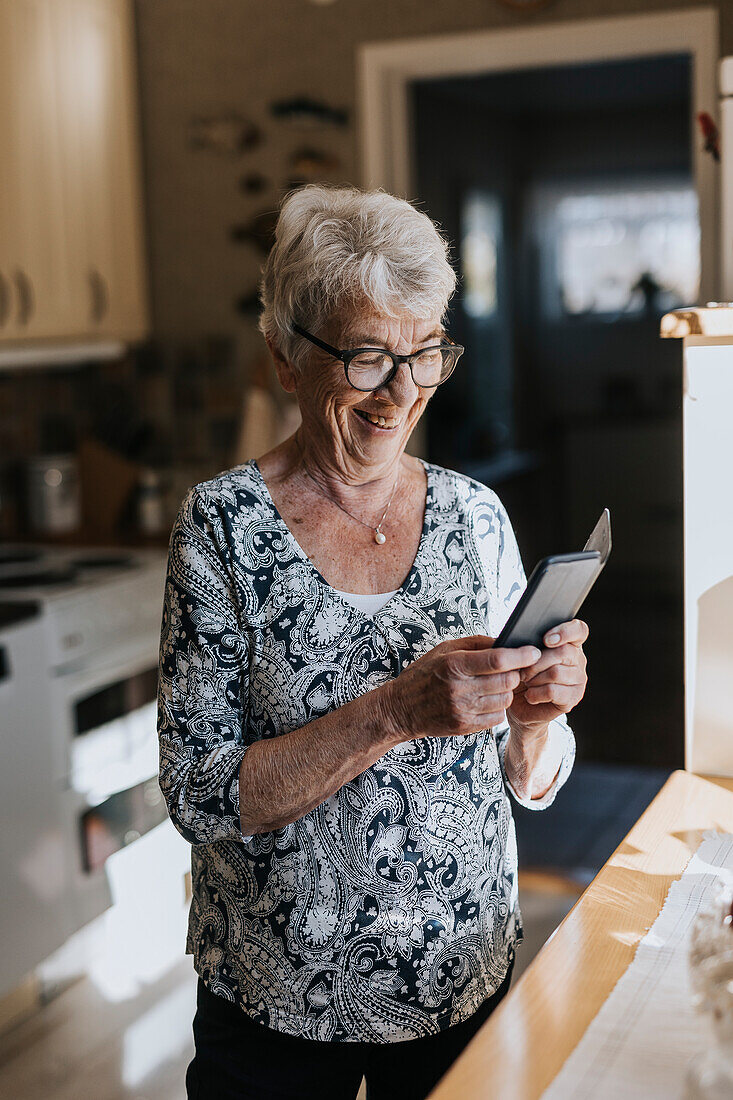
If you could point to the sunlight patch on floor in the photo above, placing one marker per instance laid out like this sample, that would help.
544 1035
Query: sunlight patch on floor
104 1037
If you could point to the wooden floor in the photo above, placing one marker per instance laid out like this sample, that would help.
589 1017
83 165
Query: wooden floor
92 1042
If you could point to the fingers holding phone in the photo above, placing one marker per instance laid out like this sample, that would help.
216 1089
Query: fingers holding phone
556 682
460 687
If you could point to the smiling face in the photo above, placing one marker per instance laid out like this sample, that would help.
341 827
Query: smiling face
339 428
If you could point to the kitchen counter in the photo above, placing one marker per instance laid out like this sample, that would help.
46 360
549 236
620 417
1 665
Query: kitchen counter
522 1048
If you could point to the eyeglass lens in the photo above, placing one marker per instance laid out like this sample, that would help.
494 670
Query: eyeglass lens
368 370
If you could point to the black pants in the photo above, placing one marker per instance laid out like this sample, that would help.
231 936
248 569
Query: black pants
237 1059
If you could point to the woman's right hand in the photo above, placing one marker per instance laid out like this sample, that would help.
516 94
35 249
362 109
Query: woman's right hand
461 686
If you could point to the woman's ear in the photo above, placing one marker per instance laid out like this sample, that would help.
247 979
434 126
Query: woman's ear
284 369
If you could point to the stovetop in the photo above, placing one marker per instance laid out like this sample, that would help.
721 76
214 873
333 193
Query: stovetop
42 572
92 602
11 614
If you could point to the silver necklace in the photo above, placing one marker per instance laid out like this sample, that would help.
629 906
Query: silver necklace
379 536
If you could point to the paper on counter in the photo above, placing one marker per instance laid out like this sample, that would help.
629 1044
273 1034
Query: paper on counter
640 1043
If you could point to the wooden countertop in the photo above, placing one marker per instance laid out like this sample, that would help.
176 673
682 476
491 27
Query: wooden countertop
523 1046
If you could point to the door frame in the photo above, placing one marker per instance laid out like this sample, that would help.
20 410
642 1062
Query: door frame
385 71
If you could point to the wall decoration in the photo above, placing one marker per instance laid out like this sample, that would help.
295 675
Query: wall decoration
710 134
308 165
258 231
254 183
304 111
248 305
305 164
227 134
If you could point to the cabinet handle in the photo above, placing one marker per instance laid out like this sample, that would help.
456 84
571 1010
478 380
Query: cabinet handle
100 295
4 300
26 299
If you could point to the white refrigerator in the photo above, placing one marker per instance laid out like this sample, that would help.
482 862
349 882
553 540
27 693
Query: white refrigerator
707 376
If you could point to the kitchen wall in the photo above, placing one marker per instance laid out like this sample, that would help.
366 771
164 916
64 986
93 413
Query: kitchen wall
209 56
177 402
173 405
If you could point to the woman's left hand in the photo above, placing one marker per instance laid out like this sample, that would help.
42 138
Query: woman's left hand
555 683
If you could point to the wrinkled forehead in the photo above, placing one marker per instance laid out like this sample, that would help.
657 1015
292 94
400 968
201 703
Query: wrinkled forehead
377 330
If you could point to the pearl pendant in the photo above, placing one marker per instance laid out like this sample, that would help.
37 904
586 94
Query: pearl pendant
379 537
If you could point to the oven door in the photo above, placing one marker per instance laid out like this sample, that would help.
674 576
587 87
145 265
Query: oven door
110 771
35 899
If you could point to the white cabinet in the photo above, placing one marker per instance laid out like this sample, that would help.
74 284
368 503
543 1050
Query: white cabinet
707 370
32 223
71 240
103 200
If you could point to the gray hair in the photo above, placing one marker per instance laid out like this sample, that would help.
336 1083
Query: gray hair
340 246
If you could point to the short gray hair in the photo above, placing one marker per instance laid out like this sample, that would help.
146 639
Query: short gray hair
340 246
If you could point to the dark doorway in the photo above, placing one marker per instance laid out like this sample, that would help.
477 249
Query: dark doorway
568 195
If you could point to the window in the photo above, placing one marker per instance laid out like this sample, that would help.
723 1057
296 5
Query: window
480 230
619 249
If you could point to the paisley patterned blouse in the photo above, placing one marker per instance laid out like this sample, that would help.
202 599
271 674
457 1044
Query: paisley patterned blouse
390 911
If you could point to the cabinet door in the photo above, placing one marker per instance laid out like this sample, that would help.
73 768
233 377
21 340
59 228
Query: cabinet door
99 123
36 247
129 308
8 198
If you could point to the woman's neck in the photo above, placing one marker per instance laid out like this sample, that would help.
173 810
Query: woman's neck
346 482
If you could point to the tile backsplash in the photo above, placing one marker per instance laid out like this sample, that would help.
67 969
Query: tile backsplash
174 406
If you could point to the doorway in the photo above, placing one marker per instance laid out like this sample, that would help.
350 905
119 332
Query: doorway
579 210
569 195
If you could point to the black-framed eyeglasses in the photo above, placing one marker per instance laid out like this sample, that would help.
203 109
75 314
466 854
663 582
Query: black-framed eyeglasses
370 368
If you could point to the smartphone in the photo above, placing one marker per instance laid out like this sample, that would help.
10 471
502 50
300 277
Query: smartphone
554 594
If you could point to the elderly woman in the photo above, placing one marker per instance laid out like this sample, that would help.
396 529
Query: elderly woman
337 732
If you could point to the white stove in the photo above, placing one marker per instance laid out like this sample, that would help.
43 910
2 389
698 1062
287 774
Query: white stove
92 598
79 636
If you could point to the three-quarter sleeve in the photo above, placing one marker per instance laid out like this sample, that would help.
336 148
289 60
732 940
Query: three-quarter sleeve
203 679
559 729
497 538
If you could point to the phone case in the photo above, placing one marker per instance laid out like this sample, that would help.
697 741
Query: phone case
554 594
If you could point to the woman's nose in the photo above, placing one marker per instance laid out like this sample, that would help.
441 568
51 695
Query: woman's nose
402 389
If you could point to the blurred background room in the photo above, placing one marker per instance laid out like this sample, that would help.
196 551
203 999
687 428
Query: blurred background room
569 150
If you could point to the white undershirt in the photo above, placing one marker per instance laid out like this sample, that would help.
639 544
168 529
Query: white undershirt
368 602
